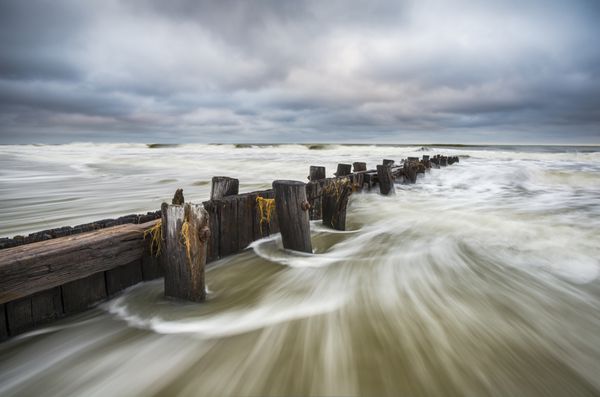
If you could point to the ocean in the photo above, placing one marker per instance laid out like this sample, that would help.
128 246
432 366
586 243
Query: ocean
481 279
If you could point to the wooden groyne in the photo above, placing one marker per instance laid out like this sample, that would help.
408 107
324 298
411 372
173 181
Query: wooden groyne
48 234
59 275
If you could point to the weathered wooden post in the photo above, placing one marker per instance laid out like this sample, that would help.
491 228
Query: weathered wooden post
386 180
359 166
410 171
316 172
358 181
184 254
336 193
343 170
426 161
313 196
178 197
224 186
292 213
443 161
389 163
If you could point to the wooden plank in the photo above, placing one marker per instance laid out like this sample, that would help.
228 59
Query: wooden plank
3 325
19 316
234 223
151 266
314 192
246 211
228 221
46 306
212 248
31 268
265 229
121 277
81 294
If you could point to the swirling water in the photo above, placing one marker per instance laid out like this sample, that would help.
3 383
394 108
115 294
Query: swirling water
481 279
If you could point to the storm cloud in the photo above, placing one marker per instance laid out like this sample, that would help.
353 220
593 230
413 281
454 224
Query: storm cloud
510 71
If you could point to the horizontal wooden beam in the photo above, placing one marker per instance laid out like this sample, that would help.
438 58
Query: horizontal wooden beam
31 268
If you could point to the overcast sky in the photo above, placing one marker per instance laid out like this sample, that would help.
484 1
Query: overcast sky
524 71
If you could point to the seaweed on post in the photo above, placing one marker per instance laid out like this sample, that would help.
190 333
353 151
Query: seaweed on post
265 210
155 233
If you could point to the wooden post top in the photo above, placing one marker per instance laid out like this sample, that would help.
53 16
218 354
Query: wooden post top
288 182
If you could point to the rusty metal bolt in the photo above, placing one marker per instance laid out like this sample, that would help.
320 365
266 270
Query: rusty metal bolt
305 206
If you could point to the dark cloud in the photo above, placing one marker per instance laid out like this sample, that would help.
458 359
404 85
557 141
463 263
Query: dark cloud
183 70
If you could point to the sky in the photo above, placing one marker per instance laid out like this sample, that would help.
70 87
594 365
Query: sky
426 71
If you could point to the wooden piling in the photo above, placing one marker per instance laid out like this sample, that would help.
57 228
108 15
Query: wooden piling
359 166
386 180
67 270
178 197
410 171
316 172
343 170
426 161
389 163
358 181
314 192
224 186
184 254
292 206
335 200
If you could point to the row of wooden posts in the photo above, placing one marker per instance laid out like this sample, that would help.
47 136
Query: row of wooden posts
49 279
189 234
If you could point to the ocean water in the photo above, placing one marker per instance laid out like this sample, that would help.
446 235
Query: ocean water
480 280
